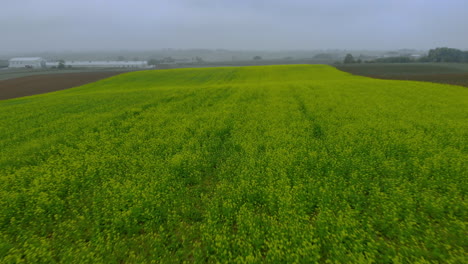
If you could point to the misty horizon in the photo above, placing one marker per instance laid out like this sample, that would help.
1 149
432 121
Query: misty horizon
295 25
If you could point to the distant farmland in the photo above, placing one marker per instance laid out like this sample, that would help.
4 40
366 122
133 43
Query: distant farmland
274 164
7 73
45 83
446 73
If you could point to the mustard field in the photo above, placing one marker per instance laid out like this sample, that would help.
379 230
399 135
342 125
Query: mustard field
267 164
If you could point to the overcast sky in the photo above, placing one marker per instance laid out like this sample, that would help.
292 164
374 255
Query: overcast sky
57 25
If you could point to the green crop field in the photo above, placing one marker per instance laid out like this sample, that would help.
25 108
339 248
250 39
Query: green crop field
267 164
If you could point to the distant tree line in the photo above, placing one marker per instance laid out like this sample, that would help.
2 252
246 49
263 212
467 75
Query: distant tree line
169 60
324 56
435 55
61 64
399 59
163 60
3 63
447 55
350 59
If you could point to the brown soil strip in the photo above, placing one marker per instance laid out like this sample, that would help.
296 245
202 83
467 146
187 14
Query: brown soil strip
455 79
38 84
444 78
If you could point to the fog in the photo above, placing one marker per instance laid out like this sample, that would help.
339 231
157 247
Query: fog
58 25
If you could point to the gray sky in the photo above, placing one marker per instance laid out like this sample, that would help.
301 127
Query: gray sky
56 25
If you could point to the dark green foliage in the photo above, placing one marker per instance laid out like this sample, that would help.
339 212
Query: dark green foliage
199 60
349 59
153 62
61 64
446 55
465 56
424 59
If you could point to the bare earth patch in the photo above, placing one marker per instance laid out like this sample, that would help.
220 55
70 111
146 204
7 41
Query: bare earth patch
39 84
455 74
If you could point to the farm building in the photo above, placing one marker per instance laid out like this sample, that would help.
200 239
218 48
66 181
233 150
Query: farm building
32 62
101 64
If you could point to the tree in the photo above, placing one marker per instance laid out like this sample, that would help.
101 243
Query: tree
61 64
465 56
153 62
199 60
423 59
445 55
257 58
121 58
349 59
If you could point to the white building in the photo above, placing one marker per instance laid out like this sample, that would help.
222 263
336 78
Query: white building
101 64
32 62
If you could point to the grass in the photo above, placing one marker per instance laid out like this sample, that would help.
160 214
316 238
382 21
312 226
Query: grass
446 73
271 164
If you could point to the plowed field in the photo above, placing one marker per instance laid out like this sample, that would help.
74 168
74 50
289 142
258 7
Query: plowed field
38 84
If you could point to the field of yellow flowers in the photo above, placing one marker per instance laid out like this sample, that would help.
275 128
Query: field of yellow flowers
267 164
